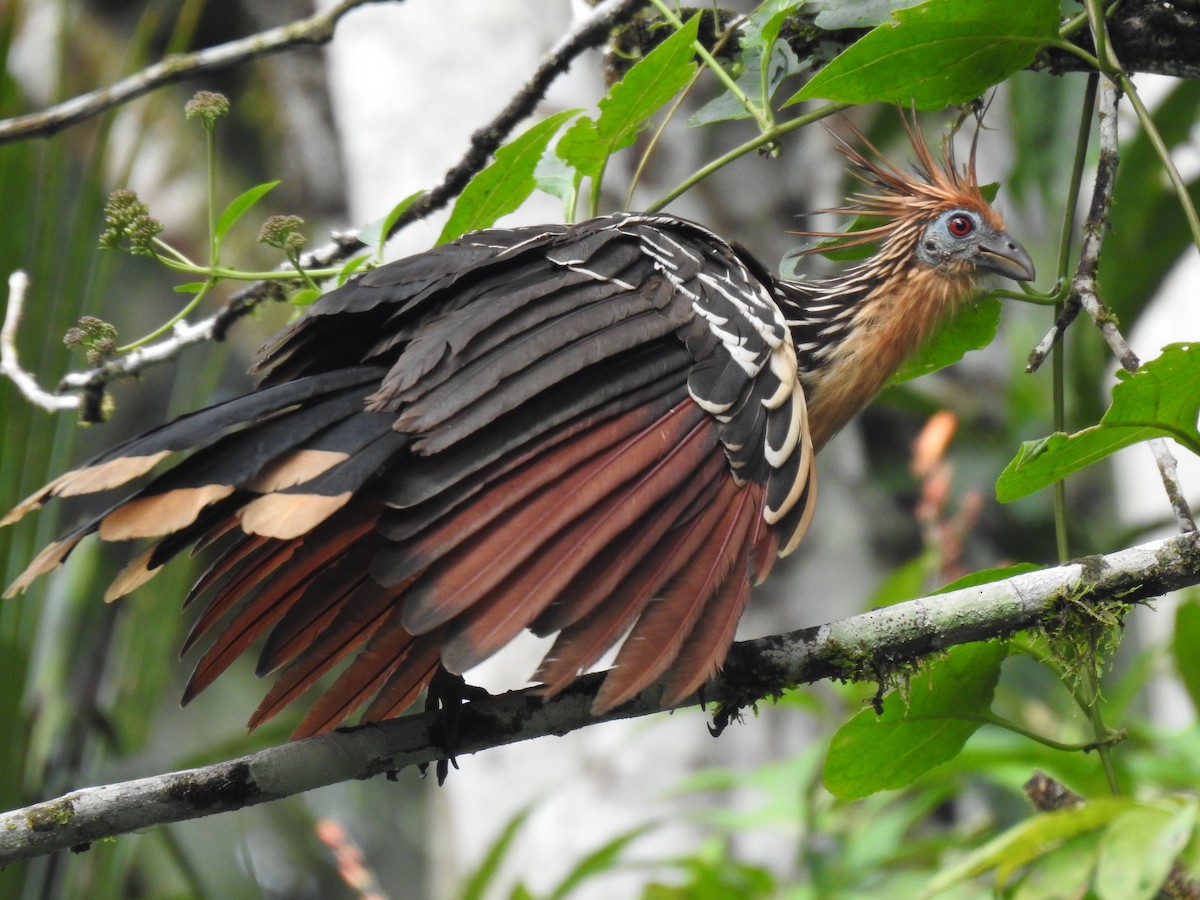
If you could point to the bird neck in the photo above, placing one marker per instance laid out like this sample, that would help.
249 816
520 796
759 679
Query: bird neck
853 332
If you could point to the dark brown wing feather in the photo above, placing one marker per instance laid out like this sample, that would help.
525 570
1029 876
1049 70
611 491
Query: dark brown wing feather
584 429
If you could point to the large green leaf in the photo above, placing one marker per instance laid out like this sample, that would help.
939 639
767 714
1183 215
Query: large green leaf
630 103
974 326
1065 871
938 53
1161 399
875 753
505 184
1139 848
1029 840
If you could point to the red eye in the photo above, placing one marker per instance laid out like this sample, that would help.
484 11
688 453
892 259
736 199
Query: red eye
960 225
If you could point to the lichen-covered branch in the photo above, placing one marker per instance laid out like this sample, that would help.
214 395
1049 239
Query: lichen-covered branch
857 648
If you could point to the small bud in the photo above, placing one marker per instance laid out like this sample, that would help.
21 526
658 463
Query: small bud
129 218
281 232
208 106
97 338
101 350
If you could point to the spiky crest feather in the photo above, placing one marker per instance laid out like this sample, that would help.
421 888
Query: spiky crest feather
908 203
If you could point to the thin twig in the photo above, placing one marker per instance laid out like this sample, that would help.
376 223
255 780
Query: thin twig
1083 285
18 285
754 670
1038 354
313 31
1169 471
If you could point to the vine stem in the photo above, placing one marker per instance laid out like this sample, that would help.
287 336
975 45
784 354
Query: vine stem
762 116
1064 261
1069 747
767 137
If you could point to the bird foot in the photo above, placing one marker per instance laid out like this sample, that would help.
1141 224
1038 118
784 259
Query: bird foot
446 696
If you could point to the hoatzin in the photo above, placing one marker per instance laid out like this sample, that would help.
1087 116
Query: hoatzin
601 431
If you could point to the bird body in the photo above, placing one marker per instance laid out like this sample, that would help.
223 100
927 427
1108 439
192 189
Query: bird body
597 431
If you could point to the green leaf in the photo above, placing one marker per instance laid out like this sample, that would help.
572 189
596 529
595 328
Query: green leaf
191 287
1029 840
350 266
1159 400
989 576
505 184
481 880
304 297
875 753
938 53
763 64
240 205
1139 848
599 862
972 327
554 177
375 235
1184 643
1065 871
630 103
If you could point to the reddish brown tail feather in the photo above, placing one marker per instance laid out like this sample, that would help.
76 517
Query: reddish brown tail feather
557 475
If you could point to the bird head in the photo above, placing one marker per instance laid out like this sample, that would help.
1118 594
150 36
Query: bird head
936 217
962 238
937 239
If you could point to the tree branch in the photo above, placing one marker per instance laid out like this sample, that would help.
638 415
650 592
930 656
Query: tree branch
859 648
10 365
310 32
1151 36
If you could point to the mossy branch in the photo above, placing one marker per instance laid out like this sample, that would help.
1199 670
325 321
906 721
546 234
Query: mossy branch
855 648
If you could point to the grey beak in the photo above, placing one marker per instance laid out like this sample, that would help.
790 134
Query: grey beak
1003 255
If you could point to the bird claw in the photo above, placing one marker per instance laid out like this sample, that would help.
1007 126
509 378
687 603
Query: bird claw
447 695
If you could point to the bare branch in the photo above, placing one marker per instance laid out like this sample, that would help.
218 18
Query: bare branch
18 285
1083 286
313 31
847 649
1169 471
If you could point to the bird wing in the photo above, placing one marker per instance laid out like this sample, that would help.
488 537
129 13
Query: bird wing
595 430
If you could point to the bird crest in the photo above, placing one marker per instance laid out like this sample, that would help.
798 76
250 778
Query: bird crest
904 199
